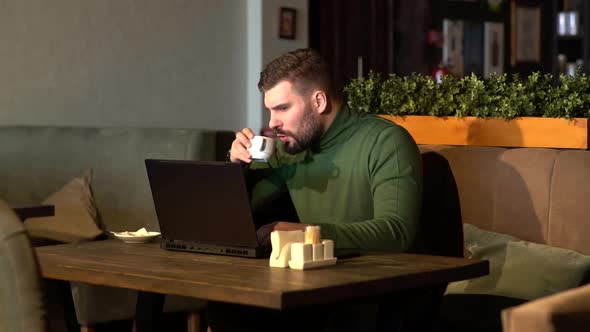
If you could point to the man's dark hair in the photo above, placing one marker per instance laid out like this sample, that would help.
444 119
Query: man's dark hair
304 68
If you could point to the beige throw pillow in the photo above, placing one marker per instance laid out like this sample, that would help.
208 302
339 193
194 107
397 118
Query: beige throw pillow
519 269
76 216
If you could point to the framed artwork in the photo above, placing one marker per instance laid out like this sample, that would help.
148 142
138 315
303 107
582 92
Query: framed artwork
287 23
493 62
525 22
473 55
453 46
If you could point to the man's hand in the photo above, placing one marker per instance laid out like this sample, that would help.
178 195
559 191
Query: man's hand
263 233
289 226
239 146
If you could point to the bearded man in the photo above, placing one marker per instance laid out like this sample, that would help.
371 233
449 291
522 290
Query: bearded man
357 176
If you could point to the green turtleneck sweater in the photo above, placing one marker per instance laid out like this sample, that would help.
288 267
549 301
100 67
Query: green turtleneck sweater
362 185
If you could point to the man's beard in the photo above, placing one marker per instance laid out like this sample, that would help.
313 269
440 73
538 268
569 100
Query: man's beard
308 136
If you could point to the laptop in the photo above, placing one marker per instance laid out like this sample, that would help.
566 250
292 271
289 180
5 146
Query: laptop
203 207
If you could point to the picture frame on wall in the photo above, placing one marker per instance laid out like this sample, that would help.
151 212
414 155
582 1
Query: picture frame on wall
493 49
473 48
452 52
287 23
525 34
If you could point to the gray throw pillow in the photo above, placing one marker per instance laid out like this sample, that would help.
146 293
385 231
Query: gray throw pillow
519 269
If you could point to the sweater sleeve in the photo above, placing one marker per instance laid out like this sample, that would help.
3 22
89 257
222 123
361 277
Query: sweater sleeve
395 176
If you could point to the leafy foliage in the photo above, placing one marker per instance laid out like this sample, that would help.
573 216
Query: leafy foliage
364 93
500 96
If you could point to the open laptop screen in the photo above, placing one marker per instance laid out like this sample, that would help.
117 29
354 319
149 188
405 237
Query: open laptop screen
202 202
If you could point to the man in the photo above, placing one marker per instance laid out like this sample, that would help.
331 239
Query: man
357 176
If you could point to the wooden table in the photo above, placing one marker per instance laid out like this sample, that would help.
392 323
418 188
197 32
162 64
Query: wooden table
146 267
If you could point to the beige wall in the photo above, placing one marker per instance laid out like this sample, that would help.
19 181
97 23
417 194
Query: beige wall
273 45
123 63
172 63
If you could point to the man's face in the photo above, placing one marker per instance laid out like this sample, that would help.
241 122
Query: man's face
294 118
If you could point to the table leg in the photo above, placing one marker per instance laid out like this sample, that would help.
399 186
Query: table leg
148 311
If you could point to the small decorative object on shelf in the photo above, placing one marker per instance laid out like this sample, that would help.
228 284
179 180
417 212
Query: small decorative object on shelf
561 24
562 63
493 49
452 51
435 37
568 23
439 72
571 37
572 68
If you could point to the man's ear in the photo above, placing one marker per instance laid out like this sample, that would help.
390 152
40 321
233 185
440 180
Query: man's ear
320 101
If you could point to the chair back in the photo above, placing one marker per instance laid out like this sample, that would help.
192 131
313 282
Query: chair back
21 296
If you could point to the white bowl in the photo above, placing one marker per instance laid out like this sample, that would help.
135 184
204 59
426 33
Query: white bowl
127 237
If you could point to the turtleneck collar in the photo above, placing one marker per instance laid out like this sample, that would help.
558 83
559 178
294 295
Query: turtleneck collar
338 129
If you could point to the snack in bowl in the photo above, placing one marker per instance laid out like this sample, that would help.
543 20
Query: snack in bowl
139 236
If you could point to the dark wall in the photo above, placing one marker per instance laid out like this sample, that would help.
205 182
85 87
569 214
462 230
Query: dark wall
391 35
412 22
346 30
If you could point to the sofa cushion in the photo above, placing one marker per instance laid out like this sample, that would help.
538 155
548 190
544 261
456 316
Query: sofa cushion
531 193
76 217
568 210
521 202
476 192
519 269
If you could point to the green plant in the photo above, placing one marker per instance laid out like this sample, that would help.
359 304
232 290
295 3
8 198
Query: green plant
500 96
472 96
571 98
364 93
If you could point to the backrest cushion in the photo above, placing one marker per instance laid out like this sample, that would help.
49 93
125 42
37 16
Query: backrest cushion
569 213
36 161
473 169
520 269
523 178
76 217
535 194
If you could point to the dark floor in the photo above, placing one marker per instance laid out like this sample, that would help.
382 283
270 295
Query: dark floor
171 322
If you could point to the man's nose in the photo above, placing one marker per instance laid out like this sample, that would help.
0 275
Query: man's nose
274 123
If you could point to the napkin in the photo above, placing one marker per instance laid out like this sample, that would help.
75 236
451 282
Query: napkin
140 232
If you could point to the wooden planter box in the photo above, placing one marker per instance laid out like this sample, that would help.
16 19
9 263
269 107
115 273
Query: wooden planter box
519 132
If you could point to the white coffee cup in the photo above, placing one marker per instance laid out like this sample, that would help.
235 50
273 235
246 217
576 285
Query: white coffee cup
262 148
